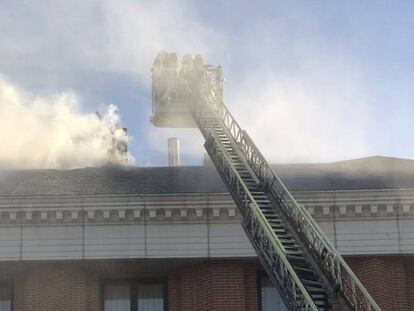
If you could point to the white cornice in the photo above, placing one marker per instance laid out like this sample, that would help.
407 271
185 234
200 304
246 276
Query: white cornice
135 208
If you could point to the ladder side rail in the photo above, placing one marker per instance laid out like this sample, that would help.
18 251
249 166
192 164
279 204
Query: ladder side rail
335 265
260 233
260 227
210 136
155 91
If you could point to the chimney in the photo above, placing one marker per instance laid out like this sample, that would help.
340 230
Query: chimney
173 152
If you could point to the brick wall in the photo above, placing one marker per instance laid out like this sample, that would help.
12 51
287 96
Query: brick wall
409 279
192 285
51 287
211 285
214 286
389 279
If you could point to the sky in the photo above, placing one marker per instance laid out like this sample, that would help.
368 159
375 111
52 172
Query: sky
310 81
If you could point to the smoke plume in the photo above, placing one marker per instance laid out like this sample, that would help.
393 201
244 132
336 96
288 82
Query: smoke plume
53 132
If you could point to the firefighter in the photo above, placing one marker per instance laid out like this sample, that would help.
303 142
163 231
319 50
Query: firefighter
198 68
171 62
159 63
160 70
198 62
187 65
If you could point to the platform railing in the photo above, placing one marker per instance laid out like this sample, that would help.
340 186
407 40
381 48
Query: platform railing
339 273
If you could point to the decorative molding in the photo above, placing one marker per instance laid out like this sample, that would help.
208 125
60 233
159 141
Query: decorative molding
180 207
91 214
29 215
12 216
74 214
406 208
152 213
137 213
365 210
183 213
43 215
199 212
59 215
216 212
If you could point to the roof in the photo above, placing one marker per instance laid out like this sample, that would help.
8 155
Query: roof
366 173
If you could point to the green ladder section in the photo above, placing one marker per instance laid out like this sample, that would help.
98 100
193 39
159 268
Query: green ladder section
266 233
208 96
298 257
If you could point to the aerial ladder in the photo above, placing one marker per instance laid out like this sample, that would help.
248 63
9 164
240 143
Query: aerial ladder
298 257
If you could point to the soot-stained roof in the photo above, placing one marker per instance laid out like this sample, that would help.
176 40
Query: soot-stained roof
366 173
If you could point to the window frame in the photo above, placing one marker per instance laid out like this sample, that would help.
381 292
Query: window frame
260 274
10 285
133 283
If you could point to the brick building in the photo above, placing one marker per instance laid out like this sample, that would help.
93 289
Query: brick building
170 238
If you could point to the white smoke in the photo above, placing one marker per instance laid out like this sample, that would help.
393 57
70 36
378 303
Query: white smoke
314 97
52 132
297 119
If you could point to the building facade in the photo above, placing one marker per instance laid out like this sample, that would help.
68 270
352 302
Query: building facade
110 239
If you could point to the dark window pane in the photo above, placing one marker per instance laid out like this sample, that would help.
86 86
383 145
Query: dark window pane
117 298
5 299
270 297
150 297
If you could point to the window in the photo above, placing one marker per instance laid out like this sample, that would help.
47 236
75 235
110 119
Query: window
5 298
150 297
117 298
134 295
269 297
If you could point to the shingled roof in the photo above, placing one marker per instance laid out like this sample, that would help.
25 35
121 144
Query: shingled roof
366 173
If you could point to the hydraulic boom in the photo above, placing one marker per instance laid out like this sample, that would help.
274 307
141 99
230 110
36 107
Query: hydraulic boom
298 257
